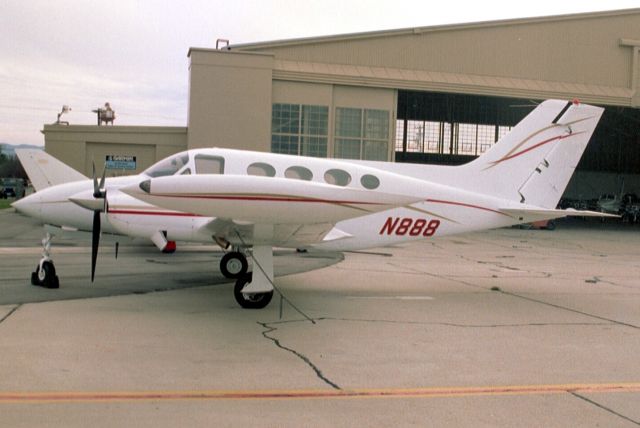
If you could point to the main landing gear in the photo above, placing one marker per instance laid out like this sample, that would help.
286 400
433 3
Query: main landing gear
252 290
233 265
45 273
250 300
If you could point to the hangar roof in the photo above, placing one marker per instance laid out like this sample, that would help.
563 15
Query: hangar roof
433 28
591 56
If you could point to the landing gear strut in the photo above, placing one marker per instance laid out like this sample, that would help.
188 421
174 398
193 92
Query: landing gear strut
254 290
45 273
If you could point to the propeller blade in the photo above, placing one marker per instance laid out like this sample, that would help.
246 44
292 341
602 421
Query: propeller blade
96 188
104 176
95 241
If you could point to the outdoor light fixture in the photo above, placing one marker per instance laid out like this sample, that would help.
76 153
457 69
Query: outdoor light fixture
65 109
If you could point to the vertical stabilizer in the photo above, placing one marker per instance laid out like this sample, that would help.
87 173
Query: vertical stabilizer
44 170
534 162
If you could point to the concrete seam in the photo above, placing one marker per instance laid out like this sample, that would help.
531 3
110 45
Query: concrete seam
600 406
11 312
553 305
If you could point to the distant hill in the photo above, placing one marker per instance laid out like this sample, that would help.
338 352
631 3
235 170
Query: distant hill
10 149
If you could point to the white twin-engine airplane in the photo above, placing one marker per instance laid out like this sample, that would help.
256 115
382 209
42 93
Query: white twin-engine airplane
249 202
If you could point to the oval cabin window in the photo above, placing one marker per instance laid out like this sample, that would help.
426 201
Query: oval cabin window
261 169
337 177
370 182
298 173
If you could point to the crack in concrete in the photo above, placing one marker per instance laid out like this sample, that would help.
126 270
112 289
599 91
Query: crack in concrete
499 264
11 312
597 279
269 328
605 408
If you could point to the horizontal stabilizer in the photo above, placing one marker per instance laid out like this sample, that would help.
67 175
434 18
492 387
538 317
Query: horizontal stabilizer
537 214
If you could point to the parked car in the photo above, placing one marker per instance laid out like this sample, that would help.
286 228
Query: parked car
9 192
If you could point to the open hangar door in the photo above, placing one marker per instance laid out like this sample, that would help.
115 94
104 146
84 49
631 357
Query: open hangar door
452 129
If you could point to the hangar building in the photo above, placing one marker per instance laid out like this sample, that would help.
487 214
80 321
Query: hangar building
440 94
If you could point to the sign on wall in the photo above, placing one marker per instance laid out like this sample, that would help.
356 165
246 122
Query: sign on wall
120 162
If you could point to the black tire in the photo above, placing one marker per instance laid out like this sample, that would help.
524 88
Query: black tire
551 225
250 301
47 276
34 277
234 265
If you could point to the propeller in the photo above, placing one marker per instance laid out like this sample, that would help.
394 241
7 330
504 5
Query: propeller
99 192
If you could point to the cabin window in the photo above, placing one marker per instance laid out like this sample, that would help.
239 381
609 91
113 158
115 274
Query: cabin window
206 164
261 169
298 173
186 171
168 166
369 181
337 177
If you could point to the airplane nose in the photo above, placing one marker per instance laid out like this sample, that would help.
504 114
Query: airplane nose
29 205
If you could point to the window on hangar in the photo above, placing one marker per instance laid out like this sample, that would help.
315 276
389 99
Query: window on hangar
453 128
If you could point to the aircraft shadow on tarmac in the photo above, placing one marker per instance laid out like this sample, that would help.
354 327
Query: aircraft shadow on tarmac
138 269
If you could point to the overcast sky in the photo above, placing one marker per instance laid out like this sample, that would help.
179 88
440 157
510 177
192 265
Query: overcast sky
134 53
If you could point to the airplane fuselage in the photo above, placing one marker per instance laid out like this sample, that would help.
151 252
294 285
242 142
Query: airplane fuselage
334 205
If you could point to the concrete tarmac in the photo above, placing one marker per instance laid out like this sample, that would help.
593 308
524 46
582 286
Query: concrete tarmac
502 328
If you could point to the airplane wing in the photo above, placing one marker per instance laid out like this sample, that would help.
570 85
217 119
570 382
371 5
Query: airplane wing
536 214
285 235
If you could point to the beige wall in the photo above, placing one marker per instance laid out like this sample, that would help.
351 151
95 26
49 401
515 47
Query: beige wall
80 145
302 93
229 99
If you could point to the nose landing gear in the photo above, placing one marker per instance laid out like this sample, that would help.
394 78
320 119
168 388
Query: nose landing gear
45 273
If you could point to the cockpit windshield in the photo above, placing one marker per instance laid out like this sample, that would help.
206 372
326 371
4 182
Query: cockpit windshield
168 166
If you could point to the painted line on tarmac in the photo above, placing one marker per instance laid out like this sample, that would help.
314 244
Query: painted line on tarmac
390 297
434 392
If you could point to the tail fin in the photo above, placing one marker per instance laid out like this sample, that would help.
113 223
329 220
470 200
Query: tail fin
534 162
44 170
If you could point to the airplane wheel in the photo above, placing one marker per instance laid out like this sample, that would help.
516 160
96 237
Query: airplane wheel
46 277
250 301
234 265
34 277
